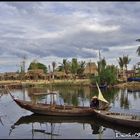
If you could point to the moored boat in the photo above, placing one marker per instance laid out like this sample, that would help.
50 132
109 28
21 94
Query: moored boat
54 110
58 110
122 119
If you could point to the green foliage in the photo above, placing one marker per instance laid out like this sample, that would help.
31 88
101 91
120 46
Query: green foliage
124 61
120 61
74 66
65 66
37 65
107 75
81 68
101 65
94 79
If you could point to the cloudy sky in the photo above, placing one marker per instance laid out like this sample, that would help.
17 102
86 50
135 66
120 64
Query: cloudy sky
51 31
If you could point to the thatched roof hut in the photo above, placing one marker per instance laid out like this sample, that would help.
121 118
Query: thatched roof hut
91 68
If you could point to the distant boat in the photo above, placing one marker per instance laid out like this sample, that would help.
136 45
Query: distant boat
133 79
102 86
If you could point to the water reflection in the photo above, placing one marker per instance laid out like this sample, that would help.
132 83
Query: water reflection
81 96
53 125
77 96
120 100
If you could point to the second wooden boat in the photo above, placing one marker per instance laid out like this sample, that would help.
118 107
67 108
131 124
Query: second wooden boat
122 119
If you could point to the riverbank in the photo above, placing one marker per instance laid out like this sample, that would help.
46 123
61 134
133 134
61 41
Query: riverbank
129 85
77 82
31 83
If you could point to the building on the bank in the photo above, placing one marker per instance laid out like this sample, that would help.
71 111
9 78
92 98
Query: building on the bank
91 68
35 74
11 76
59 75
130 73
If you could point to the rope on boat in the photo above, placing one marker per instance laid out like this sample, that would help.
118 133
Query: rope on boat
133 117
8 90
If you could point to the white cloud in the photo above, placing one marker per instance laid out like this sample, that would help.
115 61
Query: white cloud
99 28
69 29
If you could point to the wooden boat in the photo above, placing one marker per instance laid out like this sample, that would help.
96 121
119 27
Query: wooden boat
53 109
56 110
122 119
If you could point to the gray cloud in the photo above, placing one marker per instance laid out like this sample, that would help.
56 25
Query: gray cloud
68 29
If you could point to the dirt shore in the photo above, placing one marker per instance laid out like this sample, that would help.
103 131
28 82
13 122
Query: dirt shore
77 82
129 85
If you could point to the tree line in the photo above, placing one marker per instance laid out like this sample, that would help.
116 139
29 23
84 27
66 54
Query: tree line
106 73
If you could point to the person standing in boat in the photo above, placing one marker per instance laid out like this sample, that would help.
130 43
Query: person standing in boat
94 102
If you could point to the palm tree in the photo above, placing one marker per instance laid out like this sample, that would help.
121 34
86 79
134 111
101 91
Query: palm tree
74 67
49 67
66 66
126 61
138 49
81 68
121 63
101 65
53 65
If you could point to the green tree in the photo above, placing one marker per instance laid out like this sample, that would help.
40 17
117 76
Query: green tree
74 67
66 66
36 65
126 61
107 75
121 63
81 68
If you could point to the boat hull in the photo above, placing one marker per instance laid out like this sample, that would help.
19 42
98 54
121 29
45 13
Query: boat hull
55 110
126 120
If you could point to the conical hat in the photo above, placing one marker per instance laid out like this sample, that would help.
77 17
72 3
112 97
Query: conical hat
94 97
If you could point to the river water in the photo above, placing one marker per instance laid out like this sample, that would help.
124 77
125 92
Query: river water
18 123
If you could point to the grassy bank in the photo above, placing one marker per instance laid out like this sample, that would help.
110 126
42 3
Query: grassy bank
77 82
129 85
